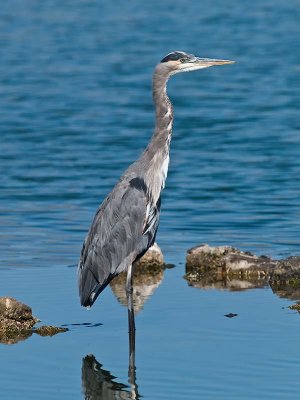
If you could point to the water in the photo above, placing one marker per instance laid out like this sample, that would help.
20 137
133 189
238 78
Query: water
75 110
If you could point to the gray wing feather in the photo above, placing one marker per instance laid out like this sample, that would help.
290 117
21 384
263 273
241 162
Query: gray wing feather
121 232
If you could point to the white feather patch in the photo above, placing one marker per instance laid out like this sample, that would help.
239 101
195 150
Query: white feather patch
151 218
164 170
148 209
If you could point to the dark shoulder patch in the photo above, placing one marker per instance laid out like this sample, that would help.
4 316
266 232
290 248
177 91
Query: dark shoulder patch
176 55
139 184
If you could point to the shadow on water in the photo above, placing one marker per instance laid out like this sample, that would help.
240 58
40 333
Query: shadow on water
85 324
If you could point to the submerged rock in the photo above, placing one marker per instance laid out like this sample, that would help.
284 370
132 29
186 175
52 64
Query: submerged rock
49 330
17 322
230 268
231 315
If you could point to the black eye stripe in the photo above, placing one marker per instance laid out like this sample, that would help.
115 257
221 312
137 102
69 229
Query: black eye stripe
175 56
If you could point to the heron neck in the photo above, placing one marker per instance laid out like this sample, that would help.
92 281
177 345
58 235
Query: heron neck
155 158
164 112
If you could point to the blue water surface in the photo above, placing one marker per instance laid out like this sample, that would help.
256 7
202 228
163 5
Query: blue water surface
75 110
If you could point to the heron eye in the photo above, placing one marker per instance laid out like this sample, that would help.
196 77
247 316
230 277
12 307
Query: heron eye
183 60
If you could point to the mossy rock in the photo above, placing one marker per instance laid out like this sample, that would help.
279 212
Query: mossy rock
15 316
17 322
151 260
226 260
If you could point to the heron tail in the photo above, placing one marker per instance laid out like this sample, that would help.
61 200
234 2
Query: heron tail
90 286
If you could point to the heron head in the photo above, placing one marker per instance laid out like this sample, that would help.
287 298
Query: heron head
179 61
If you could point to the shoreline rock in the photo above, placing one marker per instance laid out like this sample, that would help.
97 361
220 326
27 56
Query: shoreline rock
230 268
15 315
17 322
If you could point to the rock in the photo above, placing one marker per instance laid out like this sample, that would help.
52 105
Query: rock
205 257
229 268
287 270
152 258
15 315
225 261
17 322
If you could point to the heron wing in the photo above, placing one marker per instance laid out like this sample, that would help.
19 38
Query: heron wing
120 233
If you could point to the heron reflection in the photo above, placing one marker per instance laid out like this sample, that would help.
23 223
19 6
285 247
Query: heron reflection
100 384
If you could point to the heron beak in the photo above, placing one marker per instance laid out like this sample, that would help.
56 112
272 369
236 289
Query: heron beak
208 62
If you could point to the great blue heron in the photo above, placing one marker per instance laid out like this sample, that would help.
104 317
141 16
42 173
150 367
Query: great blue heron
125 224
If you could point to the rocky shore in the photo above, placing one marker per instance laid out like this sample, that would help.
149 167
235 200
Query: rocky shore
231 268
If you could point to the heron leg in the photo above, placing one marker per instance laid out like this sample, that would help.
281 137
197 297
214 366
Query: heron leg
129 292
131 325
131 364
